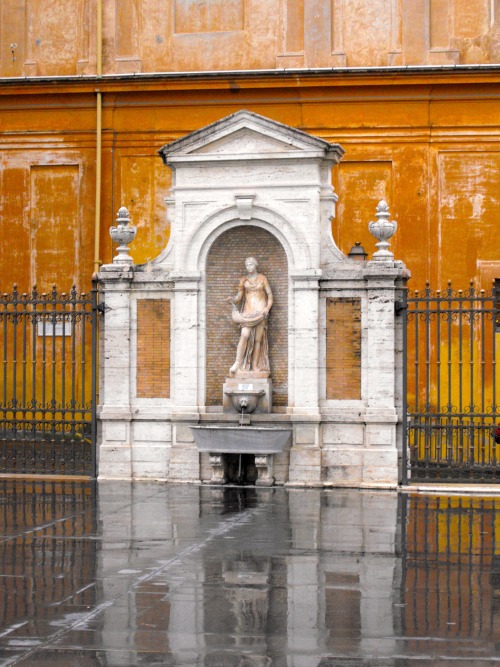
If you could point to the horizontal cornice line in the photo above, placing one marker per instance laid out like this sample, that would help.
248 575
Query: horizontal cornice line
299 76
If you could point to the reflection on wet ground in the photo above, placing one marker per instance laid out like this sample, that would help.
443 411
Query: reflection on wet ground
152 574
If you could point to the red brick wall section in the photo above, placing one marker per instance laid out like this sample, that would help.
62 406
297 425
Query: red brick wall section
153 348
225 267
343 349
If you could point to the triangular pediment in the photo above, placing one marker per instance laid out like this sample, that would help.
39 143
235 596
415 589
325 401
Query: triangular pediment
249 134
246 141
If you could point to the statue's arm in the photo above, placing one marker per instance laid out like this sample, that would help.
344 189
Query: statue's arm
239 295
269 293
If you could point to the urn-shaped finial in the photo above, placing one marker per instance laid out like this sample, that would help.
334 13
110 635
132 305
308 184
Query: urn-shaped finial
123 234
382 229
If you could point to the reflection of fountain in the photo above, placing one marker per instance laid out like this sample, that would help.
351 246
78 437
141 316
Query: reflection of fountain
247 582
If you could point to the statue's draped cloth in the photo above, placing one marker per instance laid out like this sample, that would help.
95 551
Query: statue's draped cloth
252 316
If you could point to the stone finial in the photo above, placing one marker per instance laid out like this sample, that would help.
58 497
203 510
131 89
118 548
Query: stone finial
123 235
382 229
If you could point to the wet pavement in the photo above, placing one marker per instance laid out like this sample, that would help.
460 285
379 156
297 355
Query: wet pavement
154 574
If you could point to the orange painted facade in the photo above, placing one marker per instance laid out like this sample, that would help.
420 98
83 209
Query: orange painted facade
59 37
426 138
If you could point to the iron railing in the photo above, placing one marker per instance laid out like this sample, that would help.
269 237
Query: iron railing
48 350
451 384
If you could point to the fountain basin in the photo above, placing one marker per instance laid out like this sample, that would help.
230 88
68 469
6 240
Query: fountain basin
241 439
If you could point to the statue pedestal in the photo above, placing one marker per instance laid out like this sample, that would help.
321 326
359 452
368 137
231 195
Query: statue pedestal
251 385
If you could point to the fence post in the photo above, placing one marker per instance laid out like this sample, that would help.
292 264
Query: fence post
96 309
496 302
404 388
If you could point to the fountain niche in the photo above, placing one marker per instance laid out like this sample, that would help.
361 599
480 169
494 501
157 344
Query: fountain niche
246 319
224 270
252 349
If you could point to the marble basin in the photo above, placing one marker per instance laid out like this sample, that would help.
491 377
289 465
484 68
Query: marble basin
244 400
241 439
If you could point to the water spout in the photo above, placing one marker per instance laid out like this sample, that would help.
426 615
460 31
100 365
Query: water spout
244 417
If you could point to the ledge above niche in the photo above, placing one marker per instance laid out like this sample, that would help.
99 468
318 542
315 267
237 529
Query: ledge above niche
248 134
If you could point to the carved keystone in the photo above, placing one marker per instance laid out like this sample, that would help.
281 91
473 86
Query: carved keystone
244 206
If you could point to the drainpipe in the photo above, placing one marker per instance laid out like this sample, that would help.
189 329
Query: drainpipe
98 151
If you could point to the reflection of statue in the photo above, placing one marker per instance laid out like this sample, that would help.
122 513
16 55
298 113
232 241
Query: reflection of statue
252 353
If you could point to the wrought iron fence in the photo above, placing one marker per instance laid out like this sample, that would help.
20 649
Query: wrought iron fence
48 348
451 384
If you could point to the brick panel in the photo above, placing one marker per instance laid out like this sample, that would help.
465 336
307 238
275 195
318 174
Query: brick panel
225 267
343 349
153 348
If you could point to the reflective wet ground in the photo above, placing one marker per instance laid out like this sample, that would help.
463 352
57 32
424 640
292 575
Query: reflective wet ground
150 574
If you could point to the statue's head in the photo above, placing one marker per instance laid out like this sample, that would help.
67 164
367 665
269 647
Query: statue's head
251 263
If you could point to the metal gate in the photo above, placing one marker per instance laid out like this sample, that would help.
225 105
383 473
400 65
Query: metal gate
48 348
451 379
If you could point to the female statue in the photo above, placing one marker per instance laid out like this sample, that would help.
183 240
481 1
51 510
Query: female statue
254 291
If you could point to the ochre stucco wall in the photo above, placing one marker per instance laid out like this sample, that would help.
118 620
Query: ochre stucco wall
430 147
59 36
424 138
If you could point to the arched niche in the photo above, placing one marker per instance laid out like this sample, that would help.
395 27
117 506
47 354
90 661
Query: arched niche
225 265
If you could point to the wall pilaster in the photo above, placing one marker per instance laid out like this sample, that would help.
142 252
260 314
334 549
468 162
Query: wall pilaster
115 450
380 457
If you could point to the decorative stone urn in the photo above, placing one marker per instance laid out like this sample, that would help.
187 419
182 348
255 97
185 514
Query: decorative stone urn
382 229
123 234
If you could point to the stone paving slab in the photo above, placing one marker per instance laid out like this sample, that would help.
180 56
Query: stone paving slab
163 574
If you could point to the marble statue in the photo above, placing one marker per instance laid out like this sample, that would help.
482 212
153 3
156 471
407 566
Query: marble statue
256 299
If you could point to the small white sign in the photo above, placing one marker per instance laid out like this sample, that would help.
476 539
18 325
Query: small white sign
245 387
53 329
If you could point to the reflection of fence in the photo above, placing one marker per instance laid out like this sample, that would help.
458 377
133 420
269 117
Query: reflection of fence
452 378
451 570
48 345
44 571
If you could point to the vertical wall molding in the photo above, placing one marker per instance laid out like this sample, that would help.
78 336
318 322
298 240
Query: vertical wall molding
394 57
337 27
439 31
85 41
127 25
30 63
292 30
